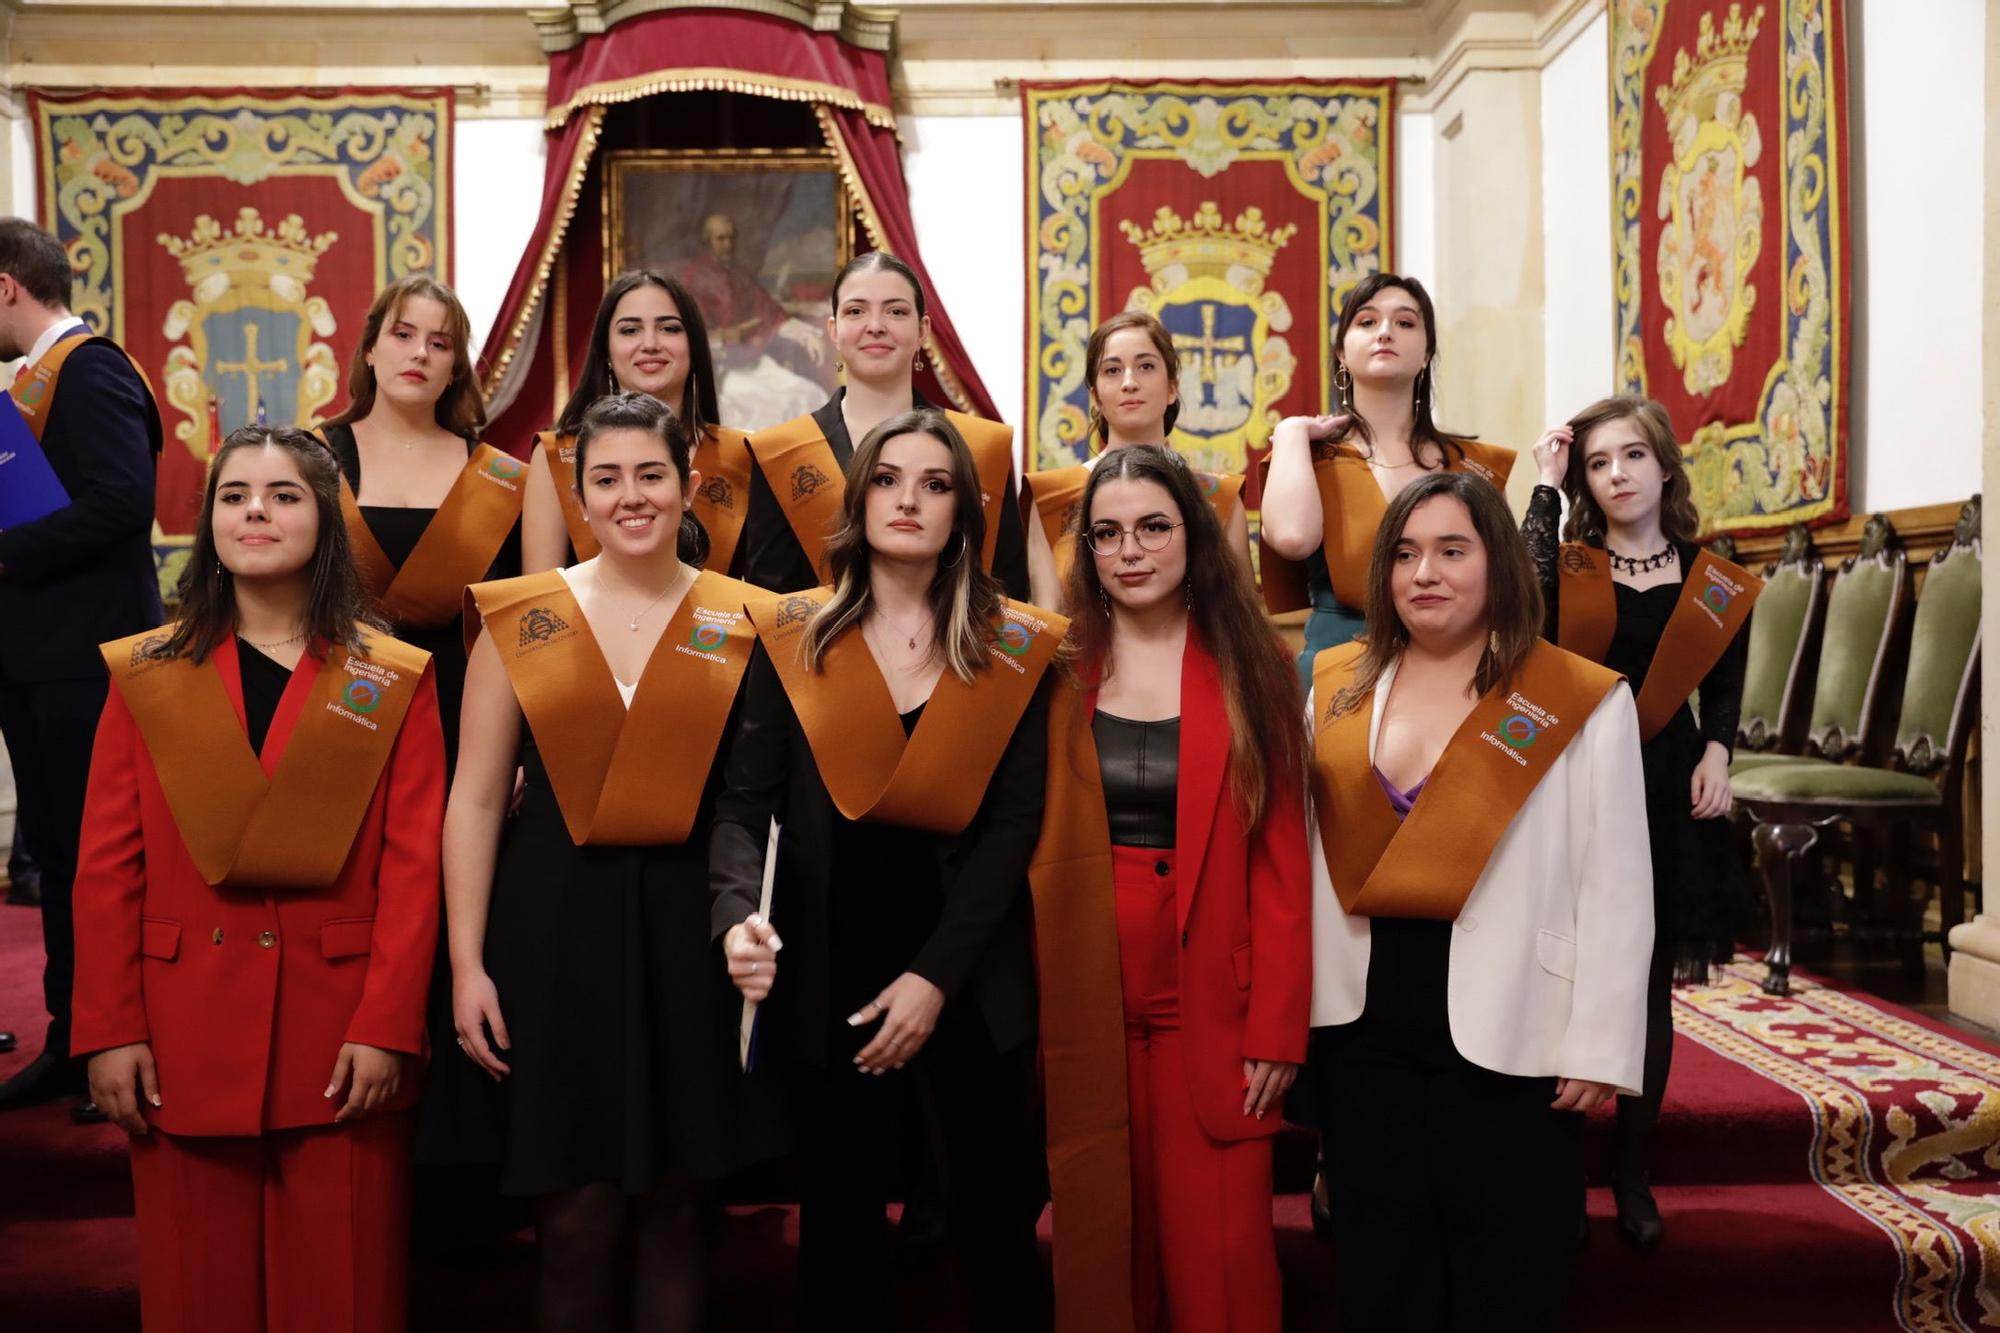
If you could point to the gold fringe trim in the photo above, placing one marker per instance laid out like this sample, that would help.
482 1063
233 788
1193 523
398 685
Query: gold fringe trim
719 80
579 167
871 222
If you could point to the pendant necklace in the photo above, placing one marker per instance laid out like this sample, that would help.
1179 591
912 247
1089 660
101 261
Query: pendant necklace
633 623
912 638
281 643
1660 559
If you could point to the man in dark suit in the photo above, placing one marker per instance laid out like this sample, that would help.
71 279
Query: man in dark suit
68 581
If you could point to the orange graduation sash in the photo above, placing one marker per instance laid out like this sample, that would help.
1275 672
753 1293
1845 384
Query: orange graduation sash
560 453
1083 1033
295 829
622 778
935 778
1426 864
810 485
1351 507
457 547
1715 600
1058 497
35 387
722 501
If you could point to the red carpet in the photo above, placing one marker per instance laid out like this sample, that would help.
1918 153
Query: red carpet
1827 1164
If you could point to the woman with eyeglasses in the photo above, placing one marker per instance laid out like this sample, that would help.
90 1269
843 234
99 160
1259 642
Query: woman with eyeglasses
1134 375
1172 906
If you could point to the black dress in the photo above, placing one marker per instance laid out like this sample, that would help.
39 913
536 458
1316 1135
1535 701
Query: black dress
1701 895
621 1014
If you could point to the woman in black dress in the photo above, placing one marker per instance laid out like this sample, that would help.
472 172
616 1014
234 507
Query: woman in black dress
894 728
583 975
1630 508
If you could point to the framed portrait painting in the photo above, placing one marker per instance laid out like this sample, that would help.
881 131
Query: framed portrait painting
756 236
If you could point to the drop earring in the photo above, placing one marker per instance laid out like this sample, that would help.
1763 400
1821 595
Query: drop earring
917 366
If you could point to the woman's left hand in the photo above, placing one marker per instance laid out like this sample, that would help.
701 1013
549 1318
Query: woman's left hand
374 1074
1709 789
1265 1083
908 1009
1580 1094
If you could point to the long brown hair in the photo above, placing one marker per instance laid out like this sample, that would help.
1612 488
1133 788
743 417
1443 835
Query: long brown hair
964 598
1424 428
697 409
1260 687
1679 522
336 610
1513 596
459 409
1093 355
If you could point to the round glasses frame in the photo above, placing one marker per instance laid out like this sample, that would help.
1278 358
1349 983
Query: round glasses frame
1109 538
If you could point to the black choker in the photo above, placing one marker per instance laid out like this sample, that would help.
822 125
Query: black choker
1642 564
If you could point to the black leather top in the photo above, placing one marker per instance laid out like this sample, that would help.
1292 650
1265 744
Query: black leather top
1140 765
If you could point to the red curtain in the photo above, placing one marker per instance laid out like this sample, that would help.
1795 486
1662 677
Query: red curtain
544 322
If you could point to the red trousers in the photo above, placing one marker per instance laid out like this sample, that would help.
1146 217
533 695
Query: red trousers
294 1231
1204 1259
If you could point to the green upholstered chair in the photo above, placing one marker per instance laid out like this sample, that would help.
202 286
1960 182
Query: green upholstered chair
1864 612
1918 794
1784 649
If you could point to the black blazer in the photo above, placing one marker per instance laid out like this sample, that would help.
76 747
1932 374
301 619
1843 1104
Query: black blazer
774 560
84 574
981 951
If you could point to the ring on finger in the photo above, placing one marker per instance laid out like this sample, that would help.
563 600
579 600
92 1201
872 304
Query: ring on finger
753 969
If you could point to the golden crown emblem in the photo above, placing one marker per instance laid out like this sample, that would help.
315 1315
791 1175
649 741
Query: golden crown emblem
248 250
1720 64
1204 245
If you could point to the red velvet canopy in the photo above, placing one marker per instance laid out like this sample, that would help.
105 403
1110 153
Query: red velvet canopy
544 322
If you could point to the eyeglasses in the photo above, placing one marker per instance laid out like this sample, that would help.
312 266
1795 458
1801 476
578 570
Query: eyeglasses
1152 534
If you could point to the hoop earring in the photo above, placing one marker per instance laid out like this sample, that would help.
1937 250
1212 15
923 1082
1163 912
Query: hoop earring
1343 379
953 562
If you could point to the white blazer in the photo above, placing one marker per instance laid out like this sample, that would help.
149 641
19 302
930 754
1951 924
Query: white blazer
1548 962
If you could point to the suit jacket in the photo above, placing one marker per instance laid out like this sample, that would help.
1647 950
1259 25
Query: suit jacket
773 558
84 574
1245 904
1549 957
980 953
247 999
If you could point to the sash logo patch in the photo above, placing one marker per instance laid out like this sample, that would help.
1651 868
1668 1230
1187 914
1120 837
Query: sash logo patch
1574 561
1015 638
146 649
1209 483
363 696
1519 730
540 625
505 469
708 635
807 480
718 492
795 611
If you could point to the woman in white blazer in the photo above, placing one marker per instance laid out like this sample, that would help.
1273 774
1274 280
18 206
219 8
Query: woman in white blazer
1482 917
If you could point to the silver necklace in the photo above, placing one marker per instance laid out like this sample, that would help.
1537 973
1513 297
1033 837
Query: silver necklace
633 623
876 614
281 643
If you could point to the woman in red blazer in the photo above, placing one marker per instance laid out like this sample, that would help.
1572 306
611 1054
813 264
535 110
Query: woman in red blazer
256 909
1172 905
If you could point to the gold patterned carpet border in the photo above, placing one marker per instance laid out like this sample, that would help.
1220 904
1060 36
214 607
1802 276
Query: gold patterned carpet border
1905 1127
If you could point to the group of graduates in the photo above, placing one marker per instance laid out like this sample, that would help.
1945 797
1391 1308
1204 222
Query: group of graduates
678 799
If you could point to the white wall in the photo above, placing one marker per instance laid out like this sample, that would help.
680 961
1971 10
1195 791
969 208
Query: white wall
1918 123
497 189
1415 199
966 179
1578 324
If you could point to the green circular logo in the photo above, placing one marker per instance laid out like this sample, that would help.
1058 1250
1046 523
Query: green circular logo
363 696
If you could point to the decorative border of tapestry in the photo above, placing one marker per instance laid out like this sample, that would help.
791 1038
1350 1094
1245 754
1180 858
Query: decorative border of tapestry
1729 231
231 242
1240 214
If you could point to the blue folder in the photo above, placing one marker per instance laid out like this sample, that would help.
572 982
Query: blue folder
28 486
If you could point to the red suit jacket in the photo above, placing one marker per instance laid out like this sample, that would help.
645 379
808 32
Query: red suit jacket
1245 905
244 1031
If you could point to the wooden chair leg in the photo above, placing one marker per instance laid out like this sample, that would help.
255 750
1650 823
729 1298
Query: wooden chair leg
1779 849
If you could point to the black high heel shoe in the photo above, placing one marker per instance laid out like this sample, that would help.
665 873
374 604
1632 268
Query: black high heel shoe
1638 1216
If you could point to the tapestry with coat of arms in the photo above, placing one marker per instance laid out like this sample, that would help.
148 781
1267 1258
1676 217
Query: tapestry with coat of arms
232 242
1238 214
1731 249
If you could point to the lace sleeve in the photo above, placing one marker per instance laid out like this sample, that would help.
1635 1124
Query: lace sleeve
1539 529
